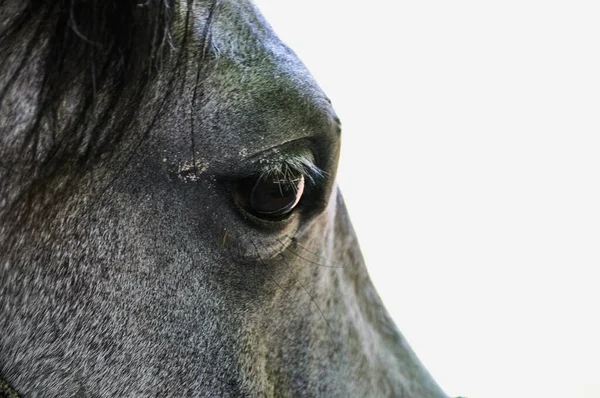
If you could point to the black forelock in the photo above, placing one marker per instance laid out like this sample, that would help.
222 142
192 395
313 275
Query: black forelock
88 47
100 45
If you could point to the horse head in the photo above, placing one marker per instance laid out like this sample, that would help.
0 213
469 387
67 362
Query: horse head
169 219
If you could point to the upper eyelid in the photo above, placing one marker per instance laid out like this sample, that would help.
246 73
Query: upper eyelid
299 154
302 162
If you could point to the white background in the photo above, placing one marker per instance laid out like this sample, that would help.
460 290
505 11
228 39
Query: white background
471 168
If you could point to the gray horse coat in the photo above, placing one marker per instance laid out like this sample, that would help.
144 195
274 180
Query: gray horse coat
169 220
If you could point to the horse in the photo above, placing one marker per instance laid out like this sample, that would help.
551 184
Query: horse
170 223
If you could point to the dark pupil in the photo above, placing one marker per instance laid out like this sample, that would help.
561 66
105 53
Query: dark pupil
276 196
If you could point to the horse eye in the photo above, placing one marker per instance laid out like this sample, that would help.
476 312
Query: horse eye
271 196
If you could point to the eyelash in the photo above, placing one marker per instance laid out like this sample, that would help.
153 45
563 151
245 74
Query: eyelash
302 163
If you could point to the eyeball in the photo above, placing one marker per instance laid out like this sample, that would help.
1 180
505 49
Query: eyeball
271 196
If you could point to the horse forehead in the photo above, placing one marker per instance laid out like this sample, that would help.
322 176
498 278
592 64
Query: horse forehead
254 92
239 33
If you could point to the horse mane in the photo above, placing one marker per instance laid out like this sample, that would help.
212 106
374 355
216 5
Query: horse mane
95 55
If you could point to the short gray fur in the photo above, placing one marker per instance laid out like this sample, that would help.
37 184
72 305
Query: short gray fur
143 278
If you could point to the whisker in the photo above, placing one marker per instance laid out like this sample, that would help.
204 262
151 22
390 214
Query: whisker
224 236
306 290
270 277
195 94
306 259
296 243
267 321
